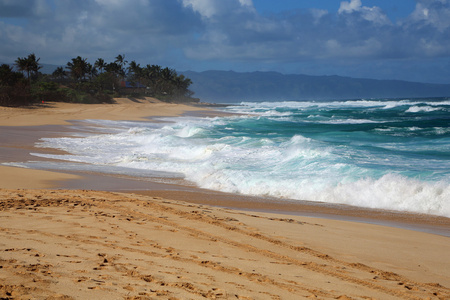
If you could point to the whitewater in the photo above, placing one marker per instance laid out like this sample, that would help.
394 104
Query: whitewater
385 154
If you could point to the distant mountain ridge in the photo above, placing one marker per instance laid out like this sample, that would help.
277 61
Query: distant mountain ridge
230 86
233 87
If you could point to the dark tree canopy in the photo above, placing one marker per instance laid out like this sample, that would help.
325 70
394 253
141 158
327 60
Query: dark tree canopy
81 81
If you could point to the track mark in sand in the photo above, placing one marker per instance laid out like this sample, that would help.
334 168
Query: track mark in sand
36 278
264 252
13 291
33 271
166 215
90 239
324 269
294 287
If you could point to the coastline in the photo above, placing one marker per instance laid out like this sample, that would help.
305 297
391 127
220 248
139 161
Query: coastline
22 127
18 143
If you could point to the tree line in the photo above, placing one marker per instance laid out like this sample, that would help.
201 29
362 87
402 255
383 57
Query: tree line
83 82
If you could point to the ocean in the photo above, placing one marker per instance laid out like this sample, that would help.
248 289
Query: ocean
385 154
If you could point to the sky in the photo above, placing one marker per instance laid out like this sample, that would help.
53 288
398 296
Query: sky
379 39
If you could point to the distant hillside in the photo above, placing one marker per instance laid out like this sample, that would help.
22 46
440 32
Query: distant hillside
229 86
49 69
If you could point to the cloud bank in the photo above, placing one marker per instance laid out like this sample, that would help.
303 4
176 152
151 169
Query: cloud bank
356 40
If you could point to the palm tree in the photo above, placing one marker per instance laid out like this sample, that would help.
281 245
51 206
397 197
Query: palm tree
100 64
113 70
120 60
167 78
153 71
134 67
151 74
91 71
182 83
22 65
8 77
59 73
29 65
137 71
168 74
79 67
35 66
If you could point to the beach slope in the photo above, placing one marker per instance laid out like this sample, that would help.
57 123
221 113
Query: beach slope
100 245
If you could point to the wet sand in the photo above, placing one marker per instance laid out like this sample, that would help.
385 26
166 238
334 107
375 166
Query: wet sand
175 242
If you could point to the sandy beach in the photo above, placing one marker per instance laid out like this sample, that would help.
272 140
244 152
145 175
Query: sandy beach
75 236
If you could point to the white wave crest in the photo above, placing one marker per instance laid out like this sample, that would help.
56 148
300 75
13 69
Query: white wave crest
391 192
416 109
233 155
247 107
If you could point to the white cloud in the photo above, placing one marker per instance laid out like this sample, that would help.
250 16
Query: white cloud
246 2
348 7
434 13
210 8
373 14
206 8
318 13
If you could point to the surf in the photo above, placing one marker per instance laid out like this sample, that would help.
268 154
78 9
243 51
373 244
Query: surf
385 154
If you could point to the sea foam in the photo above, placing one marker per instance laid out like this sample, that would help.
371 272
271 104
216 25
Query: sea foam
365 153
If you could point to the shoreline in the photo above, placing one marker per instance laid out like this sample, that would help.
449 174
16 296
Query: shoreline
18 140
90 235
17 149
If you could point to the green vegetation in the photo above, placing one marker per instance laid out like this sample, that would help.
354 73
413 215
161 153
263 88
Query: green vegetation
82 82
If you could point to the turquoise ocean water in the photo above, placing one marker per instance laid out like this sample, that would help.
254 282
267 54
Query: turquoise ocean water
389 154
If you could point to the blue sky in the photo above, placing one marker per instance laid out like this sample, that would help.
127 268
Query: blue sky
380 39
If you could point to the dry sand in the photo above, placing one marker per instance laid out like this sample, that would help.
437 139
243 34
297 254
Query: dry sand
78 244
54 113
